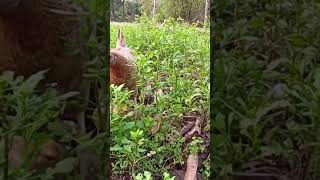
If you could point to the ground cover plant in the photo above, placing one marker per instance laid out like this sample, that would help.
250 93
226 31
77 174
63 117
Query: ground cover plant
266 90
150 137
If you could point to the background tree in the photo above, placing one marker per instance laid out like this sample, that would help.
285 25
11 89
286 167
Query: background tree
189 10
122 10
206 9
155 7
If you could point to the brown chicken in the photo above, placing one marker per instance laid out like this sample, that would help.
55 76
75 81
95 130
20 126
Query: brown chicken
122 64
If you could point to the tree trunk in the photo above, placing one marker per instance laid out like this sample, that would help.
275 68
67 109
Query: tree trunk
123 10
155 7
112 10
206 8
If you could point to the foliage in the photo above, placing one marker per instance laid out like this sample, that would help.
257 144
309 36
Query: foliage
25 112
33 111
189 10
147 176
173 67
124 10
196 146
265 95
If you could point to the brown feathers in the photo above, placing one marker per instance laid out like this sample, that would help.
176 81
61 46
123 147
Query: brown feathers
122 67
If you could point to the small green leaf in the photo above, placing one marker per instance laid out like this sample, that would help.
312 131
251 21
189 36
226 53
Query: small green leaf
298 40
128 125
219 122
31 83
147 175
116 148
65 166
127 148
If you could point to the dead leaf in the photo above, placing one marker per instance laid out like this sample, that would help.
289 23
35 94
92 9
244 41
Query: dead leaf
149 99
156 124
120 110
196 127
189 122
49 154
151 153
160 92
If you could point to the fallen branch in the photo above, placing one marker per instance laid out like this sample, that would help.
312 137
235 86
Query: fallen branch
192 166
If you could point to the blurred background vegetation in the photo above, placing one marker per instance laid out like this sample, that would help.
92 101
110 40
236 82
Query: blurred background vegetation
266 90
33 110
189 10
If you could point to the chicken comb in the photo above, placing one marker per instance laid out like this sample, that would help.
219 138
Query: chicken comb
120 42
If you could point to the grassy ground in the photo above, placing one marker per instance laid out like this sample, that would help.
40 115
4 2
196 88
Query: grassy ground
173 80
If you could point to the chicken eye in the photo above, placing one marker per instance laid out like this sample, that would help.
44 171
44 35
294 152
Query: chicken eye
113 59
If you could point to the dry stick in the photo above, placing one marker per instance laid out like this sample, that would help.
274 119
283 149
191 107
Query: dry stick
192 165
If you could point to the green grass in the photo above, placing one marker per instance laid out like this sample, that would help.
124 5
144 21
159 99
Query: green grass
173 67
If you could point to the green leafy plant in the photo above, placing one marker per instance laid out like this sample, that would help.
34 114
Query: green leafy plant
147 176
167 176
25 112
196 146
33 111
